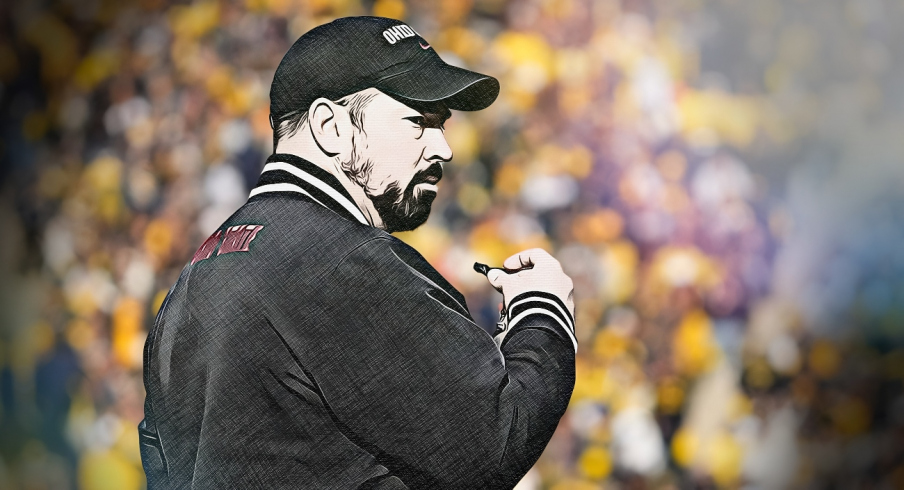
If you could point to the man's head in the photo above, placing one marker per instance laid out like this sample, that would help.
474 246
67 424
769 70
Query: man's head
374 96
392 150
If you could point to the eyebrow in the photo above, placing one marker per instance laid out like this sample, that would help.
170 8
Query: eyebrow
435 119
434 113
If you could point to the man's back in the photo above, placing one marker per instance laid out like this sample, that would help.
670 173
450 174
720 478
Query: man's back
218 372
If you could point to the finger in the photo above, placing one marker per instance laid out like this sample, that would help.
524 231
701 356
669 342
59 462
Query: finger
525 258
516 262
536 255
496 278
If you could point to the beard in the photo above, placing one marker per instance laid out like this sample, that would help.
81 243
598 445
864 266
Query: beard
405 211
400 210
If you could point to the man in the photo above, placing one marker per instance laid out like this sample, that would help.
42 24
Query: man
305 347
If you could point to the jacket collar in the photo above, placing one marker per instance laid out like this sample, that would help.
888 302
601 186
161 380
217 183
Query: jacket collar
286 173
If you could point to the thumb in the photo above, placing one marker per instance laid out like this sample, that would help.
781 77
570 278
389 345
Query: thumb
495 276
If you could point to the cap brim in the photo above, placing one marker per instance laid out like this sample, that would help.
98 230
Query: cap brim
459 89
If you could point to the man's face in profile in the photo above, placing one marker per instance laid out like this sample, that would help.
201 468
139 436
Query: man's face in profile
397 159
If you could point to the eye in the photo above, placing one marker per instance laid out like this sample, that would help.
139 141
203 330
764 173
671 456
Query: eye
418 121
423 123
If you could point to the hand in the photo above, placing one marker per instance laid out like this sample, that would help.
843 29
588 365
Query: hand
545 275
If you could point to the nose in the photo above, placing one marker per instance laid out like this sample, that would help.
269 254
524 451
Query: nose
437 148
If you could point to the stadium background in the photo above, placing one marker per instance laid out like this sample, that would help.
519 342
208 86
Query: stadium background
721 178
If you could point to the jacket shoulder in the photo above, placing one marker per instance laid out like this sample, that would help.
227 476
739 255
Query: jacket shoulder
394 263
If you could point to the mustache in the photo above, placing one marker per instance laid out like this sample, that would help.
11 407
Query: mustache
431 174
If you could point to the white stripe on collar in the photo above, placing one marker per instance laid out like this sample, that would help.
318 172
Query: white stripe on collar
301 174
283 187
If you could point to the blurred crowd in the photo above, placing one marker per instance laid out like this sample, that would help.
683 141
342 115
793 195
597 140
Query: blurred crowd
739 307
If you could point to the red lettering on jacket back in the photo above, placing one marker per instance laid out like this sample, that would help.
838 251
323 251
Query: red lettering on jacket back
238 238
235 239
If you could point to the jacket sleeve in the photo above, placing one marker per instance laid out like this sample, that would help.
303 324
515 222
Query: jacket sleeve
426 390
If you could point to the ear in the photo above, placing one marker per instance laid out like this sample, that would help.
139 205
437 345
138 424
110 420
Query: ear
331 128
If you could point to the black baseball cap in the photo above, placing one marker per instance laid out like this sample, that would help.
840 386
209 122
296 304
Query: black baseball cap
351 54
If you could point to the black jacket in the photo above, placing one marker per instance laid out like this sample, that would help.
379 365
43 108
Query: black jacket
303 348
